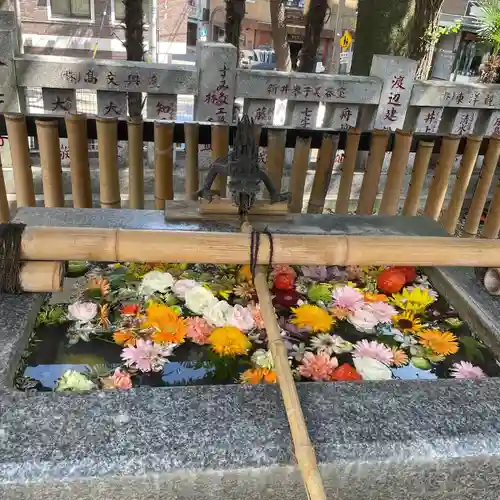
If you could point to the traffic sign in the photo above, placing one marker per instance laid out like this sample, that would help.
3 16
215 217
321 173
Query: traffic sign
346 40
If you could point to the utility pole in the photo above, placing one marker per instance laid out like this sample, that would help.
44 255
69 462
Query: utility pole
153 30
335 61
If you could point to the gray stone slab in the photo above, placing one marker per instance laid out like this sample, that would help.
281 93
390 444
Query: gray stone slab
59 101
161 106
111 104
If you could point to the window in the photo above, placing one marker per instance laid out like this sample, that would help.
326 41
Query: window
120 10
79 9
192 34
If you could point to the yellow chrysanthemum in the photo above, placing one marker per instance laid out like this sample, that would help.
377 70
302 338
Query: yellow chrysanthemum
229 341
443 343
312 317
256 375
415 300
406 322
168 325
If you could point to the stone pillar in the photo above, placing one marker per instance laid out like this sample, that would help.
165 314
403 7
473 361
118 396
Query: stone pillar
11 99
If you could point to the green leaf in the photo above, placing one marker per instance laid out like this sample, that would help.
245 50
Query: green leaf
472 348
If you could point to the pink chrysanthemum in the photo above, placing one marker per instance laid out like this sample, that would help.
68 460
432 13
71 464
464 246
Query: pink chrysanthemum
198 330
381 310
146 356
375 350
318 366
347 297
464 369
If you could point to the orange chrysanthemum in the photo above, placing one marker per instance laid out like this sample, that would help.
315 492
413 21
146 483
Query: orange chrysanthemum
376 297
400 358
340 312
443 343
257 375
100 284
168 325
312 317
124 337
104 321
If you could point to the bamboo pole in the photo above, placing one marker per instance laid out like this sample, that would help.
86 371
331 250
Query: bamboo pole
483 186
450 216
396 173
439 184
107 143
276 142
371 179
41 276
304 451
492 224
50 162
323 175
220 149
127 245
191 134
81 190
135 163
298 175
351 151
4 202
420 166
164 163
21 163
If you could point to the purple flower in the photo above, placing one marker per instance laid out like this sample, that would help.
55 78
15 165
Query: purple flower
147 356
464 369
316 273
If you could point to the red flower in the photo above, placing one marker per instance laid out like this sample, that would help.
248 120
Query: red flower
285 298
284 281
129 309
345 373
409 271
391 281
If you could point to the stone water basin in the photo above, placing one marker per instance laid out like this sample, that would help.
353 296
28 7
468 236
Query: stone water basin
384 439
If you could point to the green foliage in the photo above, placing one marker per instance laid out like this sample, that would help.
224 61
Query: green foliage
434 33
472 348
489 22
51 315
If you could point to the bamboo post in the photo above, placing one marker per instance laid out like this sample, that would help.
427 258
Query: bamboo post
420 166
220 149
135 163
439 184
164 163
191 139
371 179
81 190
299 172
396 173
107 143
4 202
304 451
21 163
50 162
276 142
450 216
323 175
492 224
483 186
351 151
41 276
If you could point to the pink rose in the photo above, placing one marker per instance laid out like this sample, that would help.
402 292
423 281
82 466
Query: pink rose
121 380
241 318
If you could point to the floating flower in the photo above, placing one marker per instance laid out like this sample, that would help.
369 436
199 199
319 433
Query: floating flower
147 356
219 314
104 321
406 322
353 272
363 320
345 373
464 369
129 310
347 297
285 298
375 297
432 293
257 375
229 341
82 311
244 291
156 281
415 300
339 312
99 285
257 315
74 381
316 273
198 330
319 292
284 282
317 366
371 369
297 351
324 342
182 286
242 318
375 350
381 310
400 358
312 317
443 343
124 337
169 327
391 280
199 299
245 273
263 359
405 340
283 269
119 380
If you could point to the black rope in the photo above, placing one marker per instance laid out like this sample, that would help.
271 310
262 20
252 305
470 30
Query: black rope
10 257
255 247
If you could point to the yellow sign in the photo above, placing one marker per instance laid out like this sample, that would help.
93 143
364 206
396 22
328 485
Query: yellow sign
346 40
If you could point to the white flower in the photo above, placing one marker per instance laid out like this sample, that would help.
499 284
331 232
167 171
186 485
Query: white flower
363 320
219 314
199 299
156 281
82 311
371 369
182 286
263 359
74 381
324 342
241 318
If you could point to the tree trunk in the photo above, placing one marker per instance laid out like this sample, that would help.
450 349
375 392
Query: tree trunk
314 21
280 41
134 43
235 12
